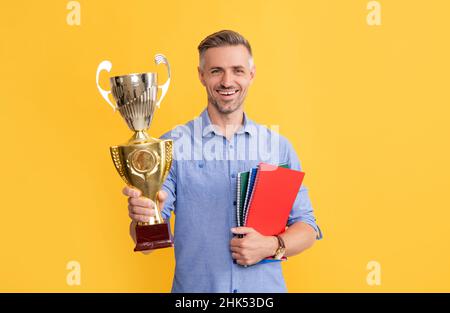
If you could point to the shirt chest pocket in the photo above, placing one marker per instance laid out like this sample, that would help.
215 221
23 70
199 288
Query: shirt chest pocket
204 189
199 177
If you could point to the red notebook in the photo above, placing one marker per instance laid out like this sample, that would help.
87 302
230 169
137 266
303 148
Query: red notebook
272 199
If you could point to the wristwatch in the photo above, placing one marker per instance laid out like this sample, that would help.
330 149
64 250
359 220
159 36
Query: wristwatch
281 248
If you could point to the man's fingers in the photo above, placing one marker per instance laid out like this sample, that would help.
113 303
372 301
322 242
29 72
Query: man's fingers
141 201
242 230
236 249
238 243
141 210
236 256
140 218
131 191
244 262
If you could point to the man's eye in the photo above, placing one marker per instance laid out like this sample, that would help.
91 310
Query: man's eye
214 71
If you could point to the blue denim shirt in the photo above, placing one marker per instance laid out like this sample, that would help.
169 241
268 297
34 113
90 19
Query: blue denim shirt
201 188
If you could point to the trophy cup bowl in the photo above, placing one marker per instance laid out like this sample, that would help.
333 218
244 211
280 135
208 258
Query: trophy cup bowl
143 162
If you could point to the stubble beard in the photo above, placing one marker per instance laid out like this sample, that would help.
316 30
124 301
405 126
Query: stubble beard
224 110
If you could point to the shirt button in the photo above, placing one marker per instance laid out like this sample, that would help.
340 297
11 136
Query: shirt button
234 290
231 146
200 165
234 202
233 176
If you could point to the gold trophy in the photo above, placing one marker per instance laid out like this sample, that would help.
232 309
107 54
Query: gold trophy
143 162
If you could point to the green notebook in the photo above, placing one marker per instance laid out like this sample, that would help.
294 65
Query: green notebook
242 184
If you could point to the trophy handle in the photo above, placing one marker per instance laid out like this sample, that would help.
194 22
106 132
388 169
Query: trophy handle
160 58
104 65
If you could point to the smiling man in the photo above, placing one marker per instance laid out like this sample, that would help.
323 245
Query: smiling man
226 72
201 187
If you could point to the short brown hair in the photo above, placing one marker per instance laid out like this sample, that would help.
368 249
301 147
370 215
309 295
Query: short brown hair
223 38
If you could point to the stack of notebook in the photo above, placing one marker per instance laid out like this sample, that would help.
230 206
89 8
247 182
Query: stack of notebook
265 196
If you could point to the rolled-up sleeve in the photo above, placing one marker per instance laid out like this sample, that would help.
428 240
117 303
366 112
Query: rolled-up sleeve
302 210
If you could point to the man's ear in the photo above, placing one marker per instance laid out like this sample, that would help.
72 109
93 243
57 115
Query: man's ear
200 75
252 73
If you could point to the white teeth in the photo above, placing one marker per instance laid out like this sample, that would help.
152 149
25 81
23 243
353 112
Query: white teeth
227 93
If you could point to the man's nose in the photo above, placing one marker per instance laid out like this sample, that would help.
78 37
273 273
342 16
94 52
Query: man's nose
227 79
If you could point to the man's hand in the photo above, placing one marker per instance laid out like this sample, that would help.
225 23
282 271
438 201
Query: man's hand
253 247
140 209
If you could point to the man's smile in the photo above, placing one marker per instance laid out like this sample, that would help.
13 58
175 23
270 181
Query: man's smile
228 93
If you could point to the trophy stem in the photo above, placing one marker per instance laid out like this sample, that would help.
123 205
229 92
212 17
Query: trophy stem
140 136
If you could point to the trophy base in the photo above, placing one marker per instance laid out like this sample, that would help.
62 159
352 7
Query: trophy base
151 237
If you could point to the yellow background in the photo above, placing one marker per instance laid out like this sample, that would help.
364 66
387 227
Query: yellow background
366 107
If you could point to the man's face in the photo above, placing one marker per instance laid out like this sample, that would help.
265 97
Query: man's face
226 74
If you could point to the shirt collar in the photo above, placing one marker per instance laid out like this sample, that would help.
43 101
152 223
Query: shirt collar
249 126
